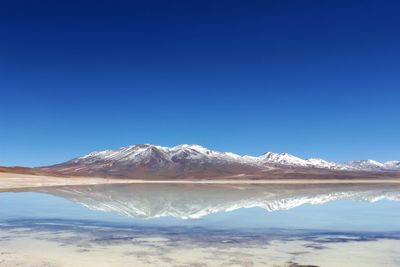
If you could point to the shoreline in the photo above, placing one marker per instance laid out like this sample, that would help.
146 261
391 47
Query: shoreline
14 182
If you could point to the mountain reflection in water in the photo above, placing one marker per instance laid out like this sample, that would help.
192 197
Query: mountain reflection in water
247 225
189 201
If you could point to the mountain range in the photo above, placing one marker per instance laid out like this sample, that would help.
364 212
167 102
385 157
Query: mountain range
145 161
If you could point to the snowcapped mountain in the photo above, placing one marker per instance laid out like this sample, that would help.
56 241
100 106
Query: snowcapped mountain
144 161
144 153
188 161
370 164
140 153
395 165
366 164
282 158
290 160
322 163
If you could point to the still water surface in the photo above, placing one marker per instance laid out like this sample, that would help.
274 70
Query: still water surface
201 225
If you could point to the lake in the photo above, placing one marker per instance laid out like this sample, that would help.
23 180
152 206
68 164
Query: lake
202 225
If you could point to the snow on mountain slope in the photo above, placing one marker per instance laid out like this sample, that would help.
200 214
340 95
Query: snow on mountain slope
368 164
282 158
187 157
140 153
394 165
322 163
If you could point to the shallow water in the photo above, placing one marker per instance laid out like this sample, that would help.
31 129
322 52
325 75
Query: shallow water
202 225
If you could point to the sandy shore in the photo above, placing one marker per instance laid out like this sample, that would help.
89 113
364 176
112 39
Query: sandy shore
12 181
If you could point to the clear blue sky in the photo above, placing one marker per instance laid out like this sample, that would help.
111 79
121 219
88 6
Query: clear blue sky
311 78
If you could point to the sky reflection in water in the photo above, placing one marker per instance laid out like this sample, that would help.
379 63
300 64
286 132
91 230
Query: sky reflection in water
346 208
201 225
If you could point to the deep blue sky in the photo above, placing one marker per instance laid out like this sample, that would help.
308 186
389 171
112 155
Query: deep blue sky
311 78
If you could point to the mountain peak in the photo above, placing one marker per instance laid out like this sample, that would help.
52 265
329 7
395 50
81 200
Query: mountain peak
192 159
368 163
283 158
